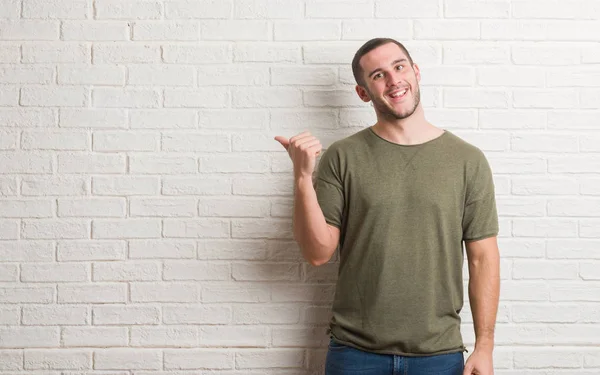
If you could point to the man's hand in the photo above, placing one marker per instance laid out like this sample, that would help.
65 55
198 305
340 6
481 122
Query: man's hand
303 149
480 362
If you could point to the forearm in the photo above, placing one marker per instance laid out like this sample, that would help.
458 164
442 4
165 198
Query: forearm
310 228
484 291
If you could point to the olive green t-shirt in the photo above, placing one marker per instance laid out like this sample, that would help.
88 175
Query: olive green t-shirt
403 213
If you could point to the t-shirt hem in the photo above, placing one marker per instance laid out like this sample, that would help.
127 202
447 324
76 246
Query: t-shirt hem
482 237
402 353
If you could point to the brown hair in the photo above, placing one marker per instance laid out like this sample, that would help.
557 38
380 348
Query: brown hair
368 47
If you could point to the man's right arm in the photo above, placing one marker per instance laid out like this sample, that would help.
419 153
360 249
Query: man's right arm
317 239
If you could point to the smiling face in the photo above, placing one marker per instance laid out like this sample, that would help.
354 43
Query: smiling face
390 81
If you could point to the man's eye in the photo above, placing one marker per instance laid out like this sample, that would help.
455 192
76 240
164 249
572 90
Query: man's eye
378 75
399 67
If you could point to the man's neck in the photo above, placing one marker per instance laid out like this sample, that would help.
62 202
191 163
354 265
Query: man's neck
412 130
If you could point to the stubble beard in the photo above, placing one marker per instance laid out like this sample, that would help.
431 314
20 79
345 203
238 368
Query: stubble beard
389 113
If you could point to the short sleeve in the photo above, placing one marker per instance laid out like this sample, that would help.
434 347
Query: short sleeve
480 218
329 188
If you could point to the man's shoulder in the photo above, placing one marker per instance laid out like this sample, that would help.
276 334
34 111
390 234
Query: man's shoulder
349 142
462 148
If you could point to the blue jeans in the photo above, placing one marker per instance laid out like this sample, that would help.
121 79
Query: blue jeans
345 360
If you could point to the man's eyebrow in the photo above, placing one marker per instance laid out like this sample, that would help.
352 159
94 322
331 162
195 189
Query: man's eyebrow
393 63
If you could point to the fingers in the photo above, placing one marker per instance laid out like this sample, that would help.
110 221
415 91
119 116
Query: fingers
284 141
309 144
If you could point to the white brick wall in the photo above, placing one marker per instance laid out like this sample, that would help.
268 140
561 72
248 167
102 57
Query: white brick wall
145 210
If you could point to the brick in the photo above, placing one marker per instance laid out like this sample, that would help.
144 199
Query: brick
126 271
266 97
572 249
55 140
126 185
367 29
261 228
587 143
164 337
572 30
90 163
236 30
588 98
27 118
11 360
514 76
197 98
549 98
157 207
266 314
127 98
69 251
125 141
52 272
279 358
535 269
222 249
545 54
331 98
238 292
511 119
574 334
589 186
190 359
533 142
163 119
545 359
235 163
313 76
470 9
127 10
94 337
238 336
10 53
572 207
125 53
268 9
156 75
49 229
514 30
9 95
126 315
341 9
329 53
263 185
255 142
574 292
525 291
544 313
193 314
196 185
239 207
93 118
26 208
56 53
126 228
96 75
542 227
193 228
572 77
164 292
202 53
23 74
299 337
573 164
95 31
29 30
56 9
10 9
478 98
58 359
26 251
237 119
195 142
127 359
240 75
446 30
197 270
9 229
29 337
53 96
9 316
205 9
85 293
589 271
9 272
161 249
165 30
141 164
266 52
55 315
525 185
313 30
266 271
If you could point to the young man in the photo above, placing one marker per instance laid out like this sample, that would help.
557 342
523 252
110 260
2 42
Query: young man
399 198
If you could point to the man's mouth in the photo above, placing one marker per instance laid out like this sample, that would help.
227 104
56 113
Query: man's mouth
398 94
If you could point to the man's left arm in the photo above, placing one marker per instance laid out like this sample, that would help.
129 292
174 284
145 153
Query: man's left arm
484 291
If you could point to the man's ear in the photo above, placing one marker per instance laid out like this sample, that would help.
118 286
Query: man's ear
417 72
362 93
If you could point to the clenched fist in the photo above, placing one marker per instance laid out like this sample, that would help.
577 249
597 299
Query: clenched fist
303 149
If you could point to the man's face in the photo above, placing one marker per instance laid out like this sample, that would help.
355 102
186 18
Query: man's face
390 82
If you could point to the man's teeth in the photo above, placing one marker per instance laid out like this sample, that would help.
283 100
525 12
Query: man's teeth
399 93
